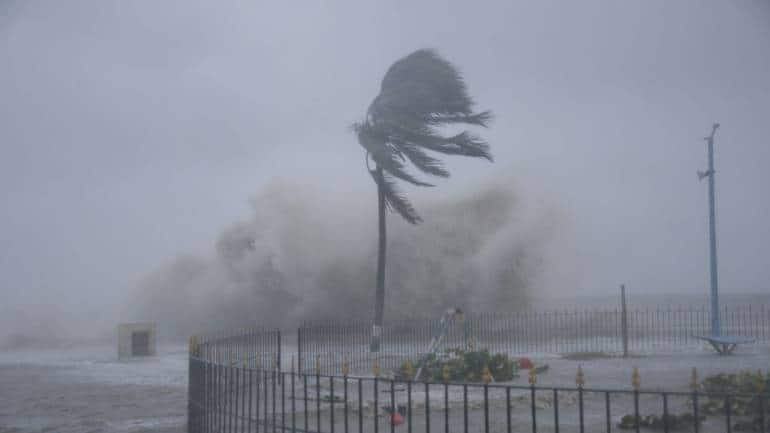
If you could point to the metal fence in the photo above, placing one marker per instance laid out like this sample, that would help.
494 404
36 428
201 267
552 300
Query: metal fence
228 395
330 343
253 347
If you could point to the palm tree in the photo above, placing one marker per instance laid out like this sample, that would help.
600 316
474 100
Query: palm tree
419 94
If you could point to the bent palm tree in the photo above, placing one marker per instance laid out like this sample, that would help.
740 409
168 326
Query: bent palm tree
419 94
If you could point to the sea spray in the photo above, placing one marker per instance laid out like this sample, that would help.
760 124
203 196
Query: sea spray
307 253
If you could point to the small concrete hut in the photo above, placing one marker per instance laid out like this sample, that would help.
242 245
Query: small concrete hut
136 339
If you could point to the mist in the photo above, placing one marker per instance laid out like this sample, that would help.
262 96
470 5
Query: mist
307 254
133 133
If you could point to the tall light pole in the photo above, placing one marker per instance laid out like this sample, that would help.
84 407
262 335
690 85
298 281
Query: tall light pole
710 173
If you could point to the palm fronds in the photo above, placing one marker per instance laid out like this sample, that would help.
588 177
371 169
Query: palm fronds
420 93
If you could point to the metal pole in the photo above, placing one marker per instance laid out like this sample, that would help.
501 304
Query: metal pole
710 173
624 319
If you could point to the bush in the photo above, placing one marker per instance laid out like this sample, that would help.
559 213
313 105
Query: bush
744 403
462 366
748 384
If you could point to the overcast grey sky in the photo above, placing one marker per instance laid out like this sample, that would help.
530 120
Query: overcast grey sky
134 131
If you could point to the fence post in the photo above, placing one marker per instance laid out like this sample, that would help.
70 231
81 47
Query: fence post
624 319
299 348
190 393
278 367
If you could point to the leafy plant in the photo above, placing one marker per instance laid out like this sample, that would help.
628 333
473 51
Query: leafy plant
743 388
461 366
747 383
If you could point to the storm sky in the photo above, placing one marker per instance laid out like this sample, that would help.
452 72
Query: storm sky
131 132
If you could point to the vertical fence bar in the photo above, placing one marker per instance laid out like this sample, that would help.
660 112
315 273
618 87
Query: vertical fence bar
265 400
244 376
345 398
243 394
300 366
624 319
581 410
636 411
446 408
409 405
190 390
236 372
427 407
318 399
282 381
376 404
331 403
533 408
220 414
257 395
207 426
230 391
486 408
304 391
273 393
360 407
607 410
696 415
221 398
209 394
393 406
508 426
555 410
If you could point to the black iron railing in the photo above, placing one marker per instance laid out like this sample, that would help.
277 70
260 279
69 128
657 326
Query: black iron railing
235 398
331 343
252 347
236 385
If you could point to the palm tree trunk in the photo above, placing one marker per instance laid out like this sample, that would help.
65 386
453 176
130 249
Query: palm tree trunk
379 297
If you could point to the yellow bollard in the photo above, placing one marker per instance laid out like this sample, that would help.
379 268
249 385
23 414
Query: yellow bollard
376 368
580 378
694 380
409 370
532 375
636 381
345 368
445 373
486 375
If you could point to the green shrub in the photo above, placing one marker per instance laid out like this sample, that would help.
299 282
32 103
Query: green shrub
745 404
462 366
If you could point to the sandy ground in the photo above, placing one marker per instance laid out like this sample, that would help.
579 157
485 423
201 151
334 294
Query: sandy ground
88 390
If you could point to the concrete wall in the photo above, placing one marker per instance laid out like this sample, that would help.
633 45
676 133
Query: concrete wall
125 330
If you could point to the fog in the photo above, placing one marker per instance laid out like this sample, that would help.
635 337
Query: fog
134 136
307 255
